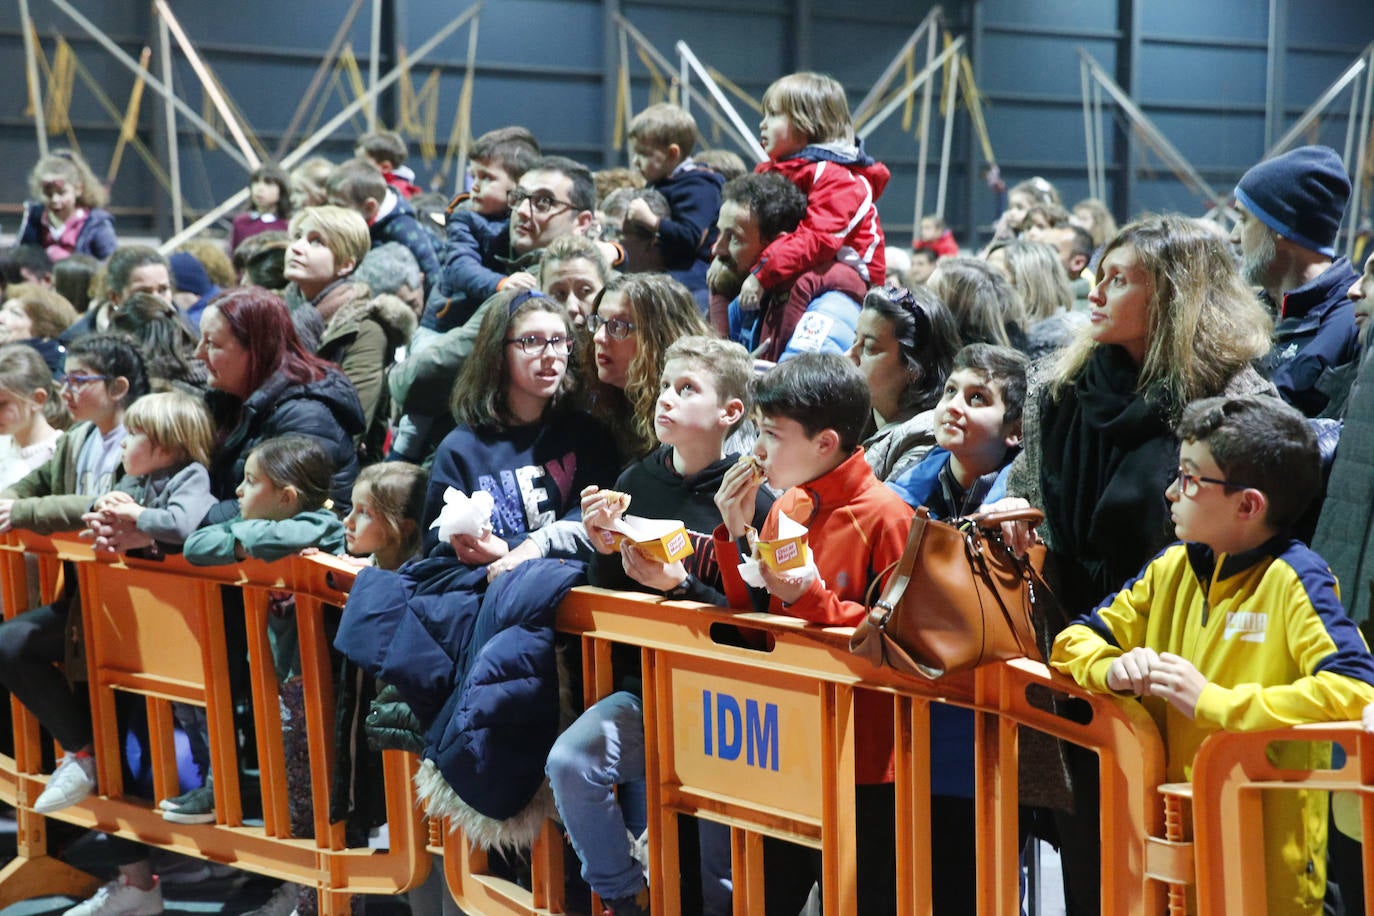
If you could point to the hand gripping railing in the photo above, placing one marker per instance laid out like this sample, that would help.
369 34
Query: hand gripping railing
792 771
157 629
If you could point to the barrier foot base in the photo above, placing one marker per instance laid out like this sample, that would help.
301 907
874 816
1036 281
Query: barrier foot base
42 876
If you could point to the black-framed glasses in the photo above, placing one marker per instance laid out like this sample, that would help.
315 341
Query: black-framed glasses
616 328
80 381
1188 484
534 344
543 202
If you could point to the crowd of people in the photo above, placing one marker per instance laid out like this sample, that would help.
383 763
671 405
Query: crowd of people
463 398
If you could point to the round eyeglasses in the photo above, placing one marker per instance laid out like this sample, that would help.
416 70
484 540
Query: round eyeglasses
534 345
616 328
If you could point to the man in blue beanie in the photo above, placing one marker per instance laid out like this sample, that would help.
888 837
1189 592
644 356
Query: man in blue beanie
1290 211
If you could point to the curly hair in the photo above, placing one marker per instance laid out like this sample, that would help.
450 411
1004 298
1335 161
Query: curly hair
662 311
73 168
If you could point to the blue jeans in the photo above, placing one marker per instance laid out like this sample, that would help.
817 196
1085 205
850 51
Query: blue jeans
604 749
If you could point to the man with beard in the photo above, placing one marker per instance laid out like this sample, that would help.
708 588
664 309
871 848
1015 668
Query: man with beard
815 313
1290 211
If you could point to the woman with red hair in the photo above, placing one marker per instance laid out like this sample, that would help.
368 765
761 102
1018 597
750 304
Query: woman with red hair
264 383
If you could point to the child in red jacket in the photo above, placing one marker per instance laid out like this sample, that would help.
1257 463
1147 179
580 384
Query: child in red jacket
814 407
809 138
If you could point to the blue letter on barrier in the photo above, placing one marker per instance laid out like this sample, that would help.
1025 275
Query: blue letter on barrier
763 734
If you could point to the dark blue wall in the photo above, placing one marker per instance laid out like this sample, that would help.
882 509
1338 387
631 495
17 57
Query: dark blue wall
1199 70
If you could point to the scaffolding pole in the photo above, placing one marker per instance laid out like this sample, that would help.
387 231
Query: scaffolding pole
208 83
1323 102
1352 214
35 88
1152 135
690 60
374 62
923 146
862 112
469 74
315 80
164 41
663 64
153 82
951 84
334 123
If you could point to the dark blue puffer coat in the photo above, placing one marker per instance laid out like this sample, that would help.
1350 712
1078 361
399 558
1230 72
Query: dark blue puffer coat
479 670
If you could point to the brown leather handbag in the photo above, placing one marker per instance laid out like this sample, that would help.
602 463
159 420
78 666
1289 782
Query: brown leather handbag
958 598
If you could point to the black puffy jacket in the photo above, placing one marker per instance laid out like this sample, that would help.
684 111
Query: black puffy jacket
327 410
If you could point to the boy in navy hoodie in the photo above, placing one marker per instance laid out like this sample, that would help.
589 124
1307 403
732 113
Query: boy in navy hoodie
705 395
662 137
477 236
358 185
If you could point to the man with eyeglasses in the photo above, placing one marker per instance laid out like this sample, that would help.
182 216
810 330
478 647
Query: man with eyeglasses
816 313
554 198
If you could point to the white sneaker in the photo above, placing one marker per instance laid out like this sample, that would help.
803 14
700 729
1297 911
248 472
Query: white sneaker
119 898
73 780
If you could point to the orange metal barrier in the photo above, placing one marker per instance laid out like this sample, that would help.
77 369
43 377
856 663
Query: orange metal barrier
1230 775
794 776
156 629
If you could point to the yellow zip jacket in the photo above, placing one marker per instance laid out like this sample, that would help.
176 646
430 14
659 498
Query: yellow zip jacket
1267 630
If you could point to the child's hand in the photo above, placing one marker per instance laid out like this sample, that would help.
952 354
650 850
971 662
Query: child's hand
1019 536
750 293
123 511
527 550
479 551
1130 673
649 572
639 212
1177 680
597 516
787 588
521 279
735 498
110 500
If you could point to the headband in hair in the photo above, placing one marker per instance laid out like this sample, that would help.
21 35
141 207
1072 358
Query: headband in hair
524 297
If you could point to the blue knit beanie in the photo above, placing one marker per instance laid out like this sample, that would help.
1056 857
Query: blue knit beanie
1301 195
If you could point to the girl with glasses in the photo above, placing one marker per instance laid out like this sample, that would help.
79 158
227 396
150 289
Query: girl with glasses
517 437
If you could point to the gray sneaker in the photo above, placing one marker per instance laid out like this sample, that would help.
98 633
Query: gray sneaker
72 781
281 903
194 807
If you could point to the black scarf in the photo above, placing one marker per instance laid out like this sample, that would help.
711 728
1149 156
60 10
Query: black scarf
1108 451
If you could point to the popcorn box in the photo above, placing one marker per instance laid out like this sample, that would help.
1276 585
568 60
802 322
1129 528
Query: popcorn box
663 539
788 550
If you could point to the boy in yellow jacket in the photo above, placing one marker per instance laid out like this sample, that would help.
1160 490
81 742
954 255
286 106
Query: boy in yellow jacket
1238 626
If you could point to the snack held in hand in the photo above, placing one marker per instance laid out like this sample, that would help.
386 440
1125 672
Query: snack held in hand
664 540
463 514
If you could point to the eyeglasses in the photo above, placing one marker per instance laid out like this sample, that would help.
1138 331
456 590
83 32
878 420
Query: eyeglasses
534 345
1189 484
80 381
616 328
542 201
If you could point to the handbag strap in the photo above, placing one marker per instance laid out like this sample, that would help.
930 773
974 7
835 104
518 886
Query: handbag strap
901 577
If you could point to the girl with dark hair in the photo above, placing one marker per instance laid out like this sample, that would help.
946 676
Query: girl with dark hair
517 437
269 193
165 340
264 383
904 346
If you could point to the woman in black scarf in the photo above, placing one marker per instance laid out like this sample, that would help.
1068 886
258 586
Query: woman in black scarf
1171 321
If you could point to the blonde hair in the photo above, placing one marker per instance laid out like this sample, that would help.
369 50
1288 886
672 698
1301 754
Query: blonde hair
397 490
725 361
69 164
211 256
345 232
1104 224
308 181
664 124
1205 324
49 311
1037 274
174 421
815 104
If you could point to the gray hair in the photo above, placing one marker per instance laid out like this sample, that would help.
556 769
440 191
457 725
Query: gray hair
388 267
